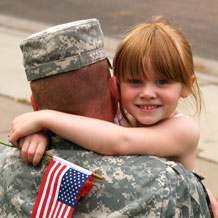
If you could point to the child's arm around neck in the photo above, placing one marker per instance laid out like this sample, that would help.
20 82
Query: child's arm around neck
174 138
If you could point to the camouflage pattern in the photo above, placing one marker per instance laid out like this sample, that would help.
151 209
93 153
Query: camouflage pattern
63 48
133 186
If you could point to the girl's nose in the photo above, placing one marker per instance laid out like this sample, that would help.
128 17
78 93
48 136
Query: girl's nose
148 92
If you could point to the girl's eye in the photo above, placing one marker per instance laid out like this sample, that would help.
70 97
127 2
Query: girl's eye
162 82
135 81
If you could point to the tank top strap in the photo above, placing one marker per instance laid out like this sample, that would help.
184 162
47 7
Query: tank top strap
118 119
178 115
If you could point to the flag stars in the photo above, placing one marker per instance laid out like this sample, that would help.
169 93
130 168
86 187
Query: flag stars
70 187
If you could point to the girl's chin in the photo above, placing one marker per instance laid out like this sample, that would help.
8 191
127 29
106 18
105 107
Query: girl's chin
146 123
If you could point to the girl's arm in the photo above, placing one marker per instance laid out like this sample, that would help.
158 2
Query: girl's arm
172 137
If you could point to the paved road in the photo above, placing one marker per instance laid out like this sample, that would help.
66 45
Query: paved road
197 19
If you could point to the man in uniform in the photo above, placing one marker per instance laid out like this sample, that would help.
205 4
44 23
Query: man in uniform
69 72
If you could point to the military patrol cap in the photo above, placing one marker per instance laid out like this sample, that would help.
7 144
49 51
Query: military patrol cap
63 48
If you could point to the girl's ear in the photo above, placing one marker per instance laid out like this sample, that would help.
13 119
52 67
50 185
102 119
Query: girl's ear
114 89
185 91
34 105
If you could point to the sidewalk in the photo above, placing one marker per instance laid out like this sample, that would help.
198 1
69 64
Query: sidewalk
15 92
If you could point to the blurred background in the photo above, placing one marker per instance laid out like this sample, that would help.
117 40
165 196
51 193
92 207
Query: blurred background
196 19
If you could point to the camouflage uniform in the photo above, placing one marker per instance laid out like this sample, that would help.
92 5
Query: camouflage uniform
133 186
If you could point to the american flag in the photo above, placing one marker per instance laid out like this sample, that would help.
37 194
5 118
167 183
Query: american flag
59 189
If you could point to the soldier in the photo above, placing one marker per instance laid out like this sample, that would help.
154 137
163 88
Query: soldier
69 72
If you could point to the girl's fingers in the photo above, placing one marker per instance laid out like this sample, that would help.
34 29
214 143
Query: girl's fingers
23 144
13 136
33 147
16 130
31 151
24 151
39 153
13 140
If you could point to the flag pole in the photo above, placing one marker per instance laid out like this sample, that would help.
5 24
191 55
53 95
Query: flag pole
97 176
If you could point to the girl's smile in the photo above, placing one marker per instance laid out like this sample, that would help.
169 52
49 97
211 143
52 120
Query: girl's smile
148 108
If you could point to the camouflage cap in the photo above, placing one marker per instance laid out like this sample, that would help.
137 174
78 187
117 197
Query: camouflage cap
63 48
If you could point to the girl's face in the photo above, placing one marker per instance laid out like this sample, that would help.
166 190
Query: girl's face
150 101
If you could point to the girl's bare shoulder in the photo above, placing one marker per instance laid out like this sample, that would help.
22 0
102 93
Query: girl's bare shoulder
186 127
186 121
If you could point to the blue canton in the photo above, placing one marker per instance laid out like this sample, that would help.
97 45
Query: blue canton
71 183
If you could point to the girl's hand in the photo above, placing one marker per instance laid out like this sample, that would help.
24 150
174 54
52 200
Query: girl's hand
25 125
214 204
33 147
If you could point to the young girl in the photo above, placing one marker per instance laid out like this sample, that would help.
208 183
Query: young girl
153 67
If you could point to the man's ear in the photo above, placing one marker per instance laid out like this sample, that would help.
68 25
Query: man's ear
185 91
34 105
113 88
